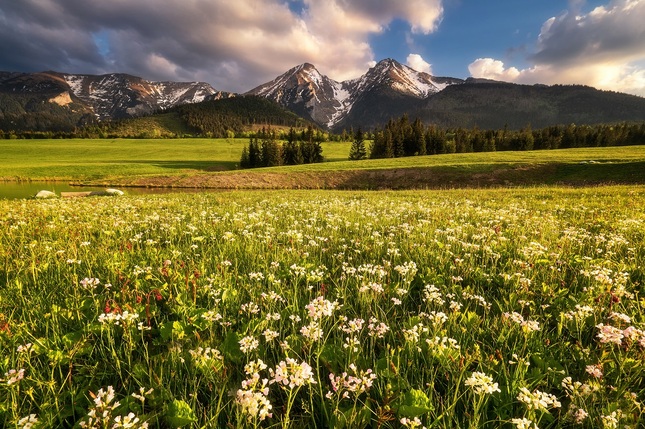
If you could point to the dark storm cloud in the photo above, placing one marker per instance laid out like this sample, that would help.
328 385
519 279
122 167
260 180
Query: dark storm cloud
234 45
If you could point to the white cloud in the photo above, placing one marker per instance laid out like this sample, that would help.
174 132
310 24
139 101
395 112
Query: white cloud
490 68
232 44
418 63
604 48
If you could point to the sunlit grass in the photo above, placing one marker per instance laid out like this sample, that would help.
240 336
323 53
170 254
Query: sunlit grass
325 309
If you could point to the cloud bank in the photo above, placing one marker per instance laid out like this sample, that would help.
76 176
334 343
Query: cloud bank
604 48
231 44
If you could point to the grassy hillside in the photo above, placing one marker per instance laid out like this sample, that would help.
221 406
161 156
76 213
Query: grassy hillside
496 104
215 118
212 163
84 159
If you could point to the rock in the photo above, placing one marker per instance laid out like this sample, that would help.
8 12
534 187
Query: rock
114 192
45 195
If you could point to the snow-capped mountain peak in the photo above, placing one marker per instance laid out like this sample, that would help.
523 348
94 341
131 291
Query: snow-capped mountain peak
121 95
306 91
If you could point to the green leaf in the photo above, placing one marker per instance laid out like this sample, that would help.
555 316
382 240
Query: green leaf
231 348
180 414
351 417
414 403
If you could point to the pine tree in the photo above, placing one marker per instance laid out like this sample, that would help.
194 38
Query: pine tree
358 151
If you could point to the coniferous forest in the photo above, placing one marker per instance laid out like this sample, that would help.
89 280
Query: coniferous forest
402 137
265 150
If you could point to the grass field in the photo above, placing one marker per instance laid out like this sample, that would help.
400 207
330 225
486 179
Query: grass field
86 159
210 163
504 308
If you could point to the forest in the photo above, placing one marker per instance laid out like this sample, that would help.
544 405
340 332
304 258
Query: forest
402 137
265 150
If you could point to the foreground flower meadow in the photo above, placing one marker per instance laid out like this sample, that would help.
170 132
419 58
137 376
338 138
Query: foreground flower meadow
452 309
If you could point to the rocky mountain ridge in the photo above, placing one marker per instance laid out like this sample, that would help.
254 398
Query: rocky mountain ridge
304 90
110 96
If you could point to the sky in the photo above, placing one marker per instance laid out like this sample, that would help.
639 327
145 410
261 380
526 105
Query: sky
236 45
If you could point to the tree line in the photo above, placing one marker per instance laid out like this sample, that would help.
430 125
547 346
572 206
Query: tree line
265 149
402 137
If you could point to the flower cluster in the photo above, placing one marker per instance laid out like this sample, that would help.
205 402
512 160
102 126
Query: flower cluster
252 397
289 373
346 385
482 383
14 376
320 307
538 400
118 318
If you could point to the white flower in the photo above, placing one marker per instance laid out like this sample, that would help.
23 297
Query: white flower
482 383
524 423
248 344
609 334
538 400
28 422
14 376
292 374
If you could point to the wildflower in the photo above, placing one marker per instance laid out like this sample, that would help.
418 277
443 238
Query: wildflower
254 403
211 316
28 422
14 376
524 423
431 294
292 374
320 307
352 326
248 344
270 335
538 400
611 421
312 331
346 385
129 421
90 283
578 414
141 396
594 370
412 423
24 348
609 334
482 383
377 329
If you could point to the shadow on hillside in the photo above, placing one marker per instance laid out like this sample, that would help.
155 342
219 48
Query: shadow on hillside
582 174
203 166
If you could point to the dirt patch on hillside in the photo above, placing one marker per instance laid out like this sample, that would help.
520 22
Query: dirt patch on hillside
395 178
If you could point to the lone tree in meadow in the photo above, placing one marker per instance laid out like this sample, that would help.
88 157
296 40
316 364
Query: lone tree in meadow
358 151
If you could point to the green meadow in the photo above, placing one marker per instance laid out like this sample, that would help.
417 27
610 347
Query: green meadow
498 308
518 306
122 160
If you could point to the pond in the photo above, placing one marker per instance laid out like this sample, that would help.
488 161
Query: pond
15 190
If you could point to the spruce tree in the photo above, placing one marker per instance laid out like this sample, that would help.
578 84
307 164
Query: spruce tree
358 151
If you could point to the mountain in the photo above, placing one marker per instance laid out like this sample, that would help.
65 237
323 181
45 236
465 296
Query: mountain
493 105
390 90
52 101
212 118
37 99
384 91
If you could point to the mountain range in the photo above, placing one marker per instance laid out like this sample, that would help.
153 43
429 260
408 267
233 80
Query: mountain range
52 100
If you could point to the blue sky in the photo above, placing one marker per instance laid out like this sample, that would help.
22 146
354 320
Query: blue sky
237 45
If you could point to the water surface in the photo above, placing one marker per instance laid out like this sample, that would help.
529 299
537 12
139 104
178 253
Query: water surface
14 190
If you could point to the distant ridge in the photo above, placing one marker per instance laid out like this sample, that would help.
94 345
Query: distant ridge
53 101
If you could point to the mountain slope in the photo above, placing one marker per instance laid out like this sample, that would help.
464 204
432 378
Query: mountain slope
52 100
213 118
335 104
390 90
493 105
